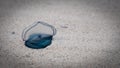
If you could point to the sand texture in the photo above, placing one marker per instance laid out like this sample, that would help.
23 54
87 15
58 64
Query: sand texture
88 33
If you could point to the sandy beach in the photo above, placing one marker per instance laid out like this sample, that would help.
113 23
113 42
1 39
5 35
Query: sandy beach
88 33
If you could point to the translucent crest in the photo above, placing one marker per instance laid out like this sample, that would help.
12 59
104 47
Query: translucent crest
38 28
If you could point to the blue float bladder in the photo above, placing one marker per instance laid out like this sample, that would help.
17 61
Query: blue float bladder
39 35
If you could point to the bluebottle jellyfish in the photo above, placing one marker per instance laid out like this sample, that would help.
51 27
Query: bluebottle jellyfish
39 35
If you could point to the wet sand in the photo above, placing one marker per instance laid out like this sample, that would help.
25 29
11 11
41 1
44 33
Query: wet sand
88 33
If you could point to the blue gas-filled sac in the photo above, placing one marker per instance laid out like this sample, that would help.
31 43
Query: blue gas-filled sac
38 41
39 35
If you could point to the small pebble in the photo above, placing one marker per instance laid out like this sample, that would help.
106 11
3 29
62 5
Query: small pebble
64 26
13 32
